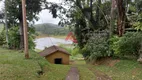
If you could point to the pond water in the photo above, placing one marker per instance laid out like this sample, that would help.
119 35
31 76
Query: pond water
41 43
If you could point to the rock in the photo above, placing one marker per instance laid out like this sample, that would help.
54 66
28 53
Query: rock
140 60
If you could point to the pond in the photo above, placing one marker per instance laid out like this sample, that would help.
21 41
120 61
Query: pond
41 43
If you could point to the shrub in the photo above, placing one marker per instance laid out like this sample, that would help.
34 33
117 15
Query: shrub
76 51
97 47
2 38
113 43
14 38
129 44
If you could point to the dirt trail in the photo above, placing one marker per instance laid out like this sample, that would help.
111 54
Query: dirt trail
73 74
100 75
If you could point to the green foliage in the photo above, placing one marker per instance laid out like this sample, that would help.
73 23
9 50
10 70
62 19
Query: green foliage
96 48
113 43
68 49
14 11
76 51
129 44
14 38
2 38
73 50
31 37
138 25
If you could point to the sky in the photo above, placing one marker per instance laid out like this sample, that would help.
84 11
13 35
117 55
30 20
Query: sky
44 15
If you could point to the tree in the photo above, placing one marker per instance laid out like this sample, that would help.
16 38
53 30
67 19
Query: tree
86 16
6 26
112 19
121 17
14 14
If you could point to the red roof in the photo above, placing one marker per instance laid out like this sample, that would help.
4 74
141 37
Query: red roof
71 37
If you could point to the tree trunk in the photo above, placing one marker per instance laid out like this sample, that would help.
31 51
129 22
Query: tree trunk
112 21
21 46
6 27
98 13
21 35
121 17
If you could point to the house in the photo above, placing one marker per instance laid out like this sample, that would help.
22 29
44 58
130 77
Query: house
71 37
56 55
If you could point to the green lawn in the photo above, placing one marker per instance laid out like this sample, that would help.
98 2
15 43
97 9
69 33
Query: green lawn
123 70
54 72
13 66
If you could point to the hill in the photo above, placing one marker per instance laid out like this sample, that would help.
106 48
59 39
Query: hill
51 29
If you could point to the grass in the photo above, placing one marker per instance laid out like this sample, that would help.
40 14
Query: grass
123 70
55 72
13 66
84 72
46 35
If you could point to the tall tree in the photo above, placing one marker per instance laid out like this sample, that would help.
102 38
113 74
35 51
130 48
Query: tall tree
121 17
14 12
112 19
6 26
87 16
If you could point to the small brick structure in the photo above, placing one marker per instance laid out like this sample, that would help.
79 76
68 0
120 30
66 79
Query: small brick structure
56 55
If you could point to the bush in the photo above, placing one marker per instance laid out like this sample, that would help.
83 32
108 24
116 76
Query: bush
113 43
129 44
76 51
97 47
2 38
73 50
14 38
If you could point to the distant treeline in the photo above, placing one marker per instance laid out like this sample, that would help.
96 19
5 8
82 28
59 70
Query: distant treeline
51 29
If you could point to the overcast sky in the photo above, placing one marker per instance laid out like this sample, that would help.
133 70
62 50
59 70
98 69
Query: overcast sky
45 16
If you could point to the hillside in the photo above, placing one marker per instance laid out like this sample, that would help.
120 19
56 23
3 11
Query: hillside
51 29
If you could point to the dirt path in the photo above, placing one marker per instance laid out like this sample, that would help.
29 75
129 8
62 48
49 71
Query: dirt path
100 75
73 74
